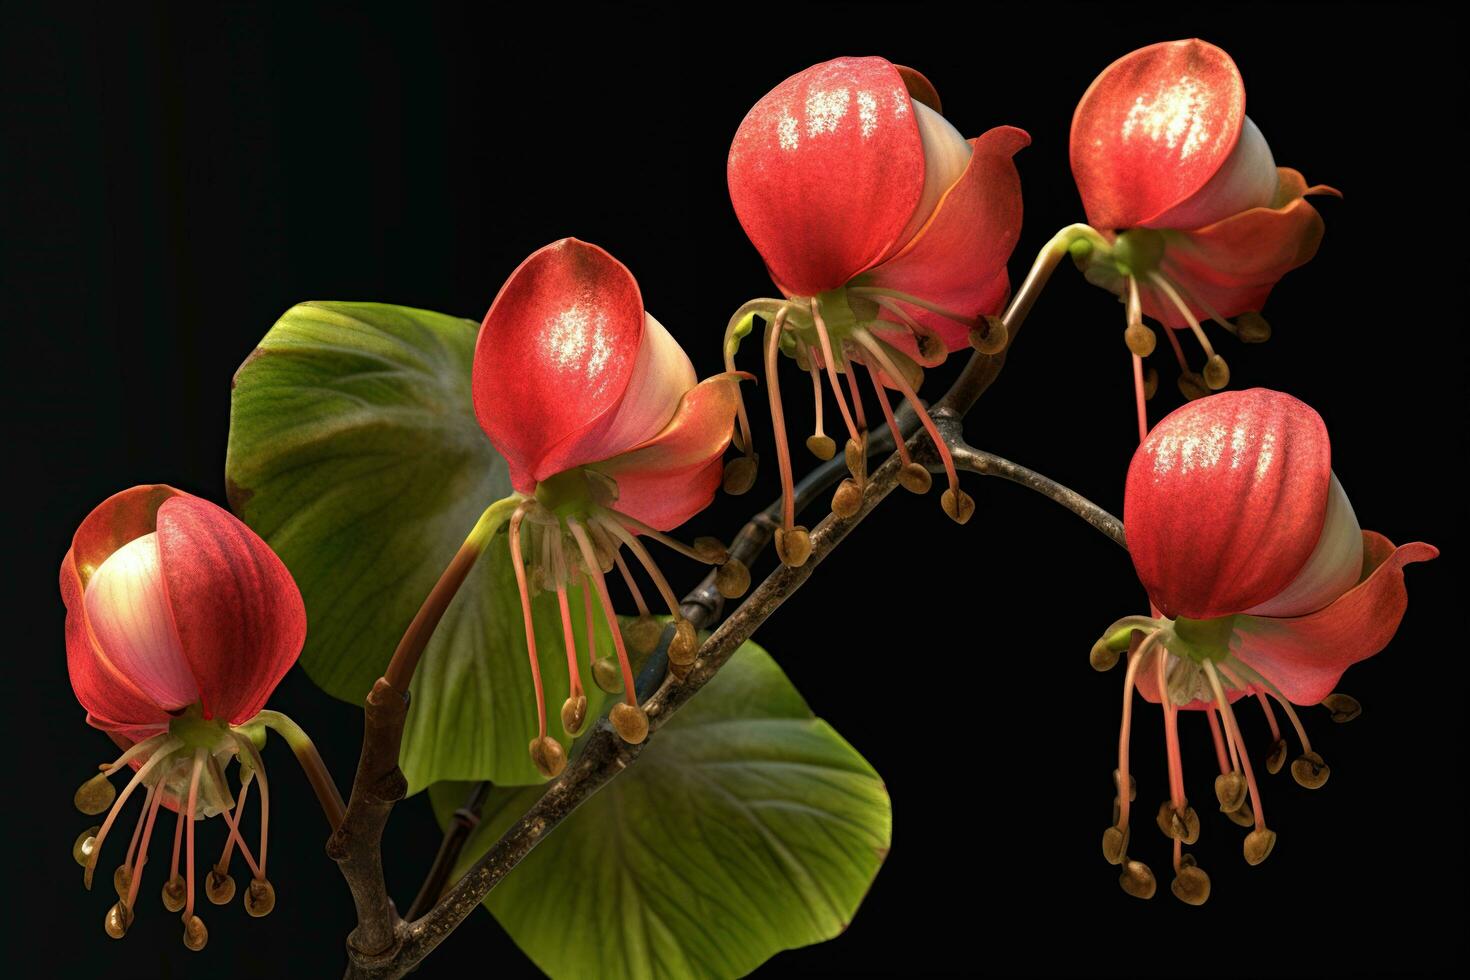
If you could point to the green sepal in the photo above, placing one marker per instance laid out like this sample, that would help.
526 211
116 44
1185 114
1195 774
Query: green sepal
1201 639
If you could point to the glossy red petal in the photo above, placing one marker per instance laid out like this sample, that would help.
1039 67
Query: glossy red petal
826 170
1306 655
103 690
1152 130
555 355
1229 267
958 259
1225 501
673 476
240 617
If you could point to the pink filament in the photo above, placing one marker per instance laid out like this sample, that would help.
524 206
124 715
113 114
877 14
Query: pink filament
778 418
1129 676
826 342
189 831
520 569
571 641
156 798
594 572
903 449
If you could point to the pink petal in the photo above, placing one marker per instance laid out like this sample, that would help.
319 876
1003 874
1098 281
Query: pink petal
103 690
1153 129
958 260
825 172
554 357
1306 656
673 476
1230 267
240 618
127 606
1225 501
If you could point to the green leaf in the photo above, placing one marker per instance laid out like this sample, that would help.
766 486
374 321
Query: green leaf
355 453
746 827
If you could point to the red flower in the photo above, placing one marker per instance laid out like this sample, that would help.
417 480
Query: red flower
1251 551
1170 167
847 171
886 232
608 436
180 622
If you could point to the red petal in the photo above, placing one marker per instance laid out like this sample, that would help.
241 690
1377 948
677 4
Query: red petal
1225 501
554 357
100 687
673 476
958 259
239 615
1305 656
1152 130
825 172
1229 267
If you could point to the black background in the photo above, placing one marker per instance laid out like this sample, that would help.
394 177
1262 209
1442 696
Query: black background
176 177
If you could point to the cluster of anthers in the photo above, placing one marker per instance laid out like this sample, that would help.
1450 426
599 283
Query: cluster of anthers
569 535
1199 681
182 769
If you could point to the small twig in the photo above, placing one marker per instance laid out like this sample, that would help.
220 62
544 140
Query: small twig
973 460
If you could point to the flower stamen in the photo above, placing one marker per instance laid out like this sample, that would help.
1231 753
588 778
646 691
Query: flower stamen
1217 373
517 563
956 503
161 751
194 936
628 719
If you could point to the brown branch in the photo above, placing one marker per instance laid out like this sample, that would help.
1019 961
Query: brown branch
384 946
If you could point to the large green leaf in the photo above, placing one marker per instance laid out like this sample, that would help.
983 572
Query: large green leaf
355 453
748 826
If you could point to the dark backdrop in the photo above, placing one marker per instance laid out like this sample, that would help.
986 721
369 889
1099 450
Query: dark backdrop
175 178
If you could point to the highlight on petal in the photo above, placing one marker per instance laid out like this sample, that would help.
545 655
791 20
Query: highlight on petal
128 609
100 686
1230 267
1226 501
958 259
1305 656
1153 129
555 355
825 172
674 475
239 615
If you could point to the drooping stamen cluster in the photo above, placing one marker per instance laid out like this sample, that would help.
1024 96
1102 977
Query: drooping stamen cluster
1208 681
829 335
570 535
182 767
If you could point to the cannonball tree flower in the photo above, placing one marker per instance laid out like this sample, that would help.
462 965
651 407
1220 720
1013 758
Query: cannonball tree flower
1264 586
886 233
610 438
1202 223
180 622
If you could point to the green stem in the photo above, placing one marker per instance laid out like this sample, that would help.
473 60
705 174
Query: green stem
311 763
416 637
